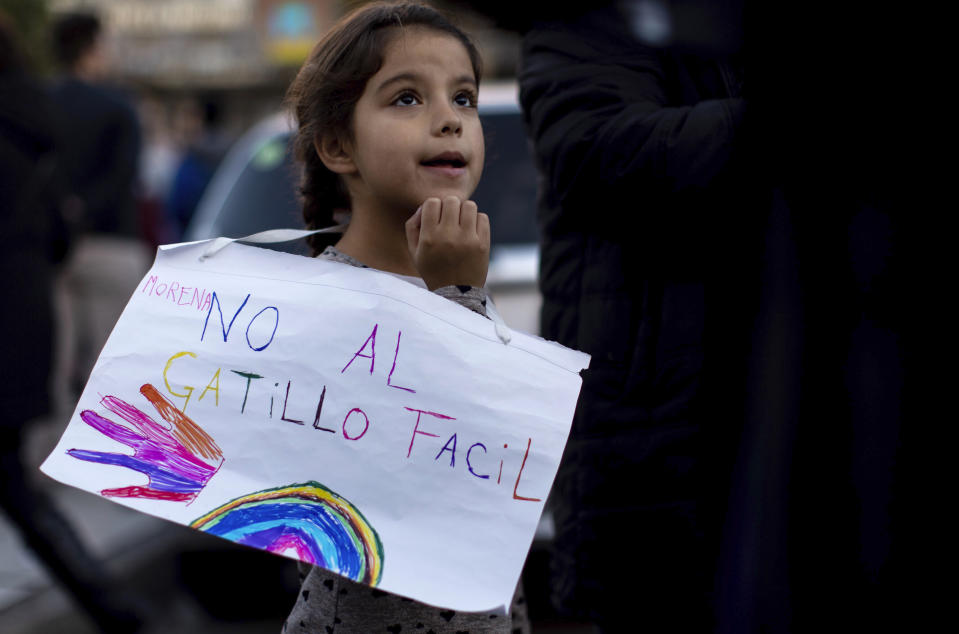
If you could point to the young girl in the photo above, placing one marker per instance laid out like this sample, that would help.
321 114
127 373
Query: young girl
388 132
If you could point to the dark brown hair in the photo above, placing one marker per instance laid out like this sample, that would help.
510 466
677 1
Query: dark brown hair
331 81
74 34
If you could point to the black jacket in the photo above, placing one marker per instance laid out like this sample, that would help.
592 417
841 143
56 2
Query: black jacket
33 239
101 153
639 148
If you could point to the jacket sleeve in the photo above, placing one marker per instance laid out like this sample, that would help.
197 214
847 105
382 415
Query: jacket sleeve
602 111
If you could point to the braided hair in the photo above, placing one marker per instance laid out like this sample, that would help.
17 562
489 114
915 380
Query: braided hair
324 93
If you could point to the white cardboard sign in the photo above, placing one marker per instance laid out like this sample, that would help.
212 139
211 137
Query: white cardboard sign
332 414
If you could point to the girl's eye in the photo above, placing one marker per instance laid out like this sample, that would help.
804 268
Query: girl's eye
465 100
406 99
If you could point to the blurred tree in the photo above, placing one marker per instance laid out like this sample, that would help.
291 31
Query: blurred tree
31 19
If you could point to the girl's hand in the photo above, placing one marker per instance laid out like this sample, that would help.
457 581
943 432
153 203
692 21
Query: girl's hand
449 242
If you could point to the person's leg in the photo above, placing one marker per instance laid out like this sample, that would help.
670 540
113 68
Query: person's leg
67 337
103 274
52 539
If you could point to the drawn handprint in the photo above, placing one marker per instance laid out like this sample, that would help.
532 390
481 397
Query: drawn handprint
178 460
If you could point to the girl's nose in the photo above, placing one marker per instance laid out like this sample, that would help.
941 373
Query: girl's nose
448 122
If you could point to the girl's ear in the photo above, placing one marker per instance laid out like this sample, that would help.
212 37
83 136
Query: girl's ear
335 154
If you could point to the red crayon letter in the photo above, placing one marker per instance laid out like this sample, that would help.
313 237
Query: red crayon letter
520 475
366 424
416 429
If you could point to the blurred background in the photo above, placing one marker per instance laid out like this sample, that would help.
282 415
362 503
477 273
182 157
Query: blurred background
237 54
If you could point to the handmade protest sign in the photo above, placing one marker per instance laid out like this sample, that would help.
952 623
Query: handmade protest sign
336 415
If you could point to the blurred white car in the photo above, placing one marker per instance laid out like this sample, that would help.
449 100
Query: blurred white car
254 189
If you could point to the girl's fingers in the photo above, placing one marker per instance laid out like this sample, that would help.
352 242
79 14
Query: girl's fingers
450 217
417 217
482 228
413 229
451 212
451 242
430 213
468 215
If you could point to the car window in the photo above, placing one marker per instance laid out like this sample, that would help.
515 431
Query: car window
264 196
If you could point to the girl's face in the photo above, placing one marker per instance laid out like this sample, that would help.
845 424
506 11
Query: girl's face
416 132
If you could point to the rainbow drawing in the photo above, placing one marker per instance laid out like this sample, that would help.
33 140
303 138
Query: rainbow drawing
178 459
308 521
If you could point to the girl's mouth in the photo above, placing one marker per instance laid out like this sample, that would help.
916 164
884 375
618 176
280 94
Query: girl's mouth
448 161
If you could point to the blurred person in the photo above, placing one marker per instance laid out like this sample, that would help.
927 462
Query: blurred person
33 242
641 150
807 462
741 282
158 163
101 152
204 146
